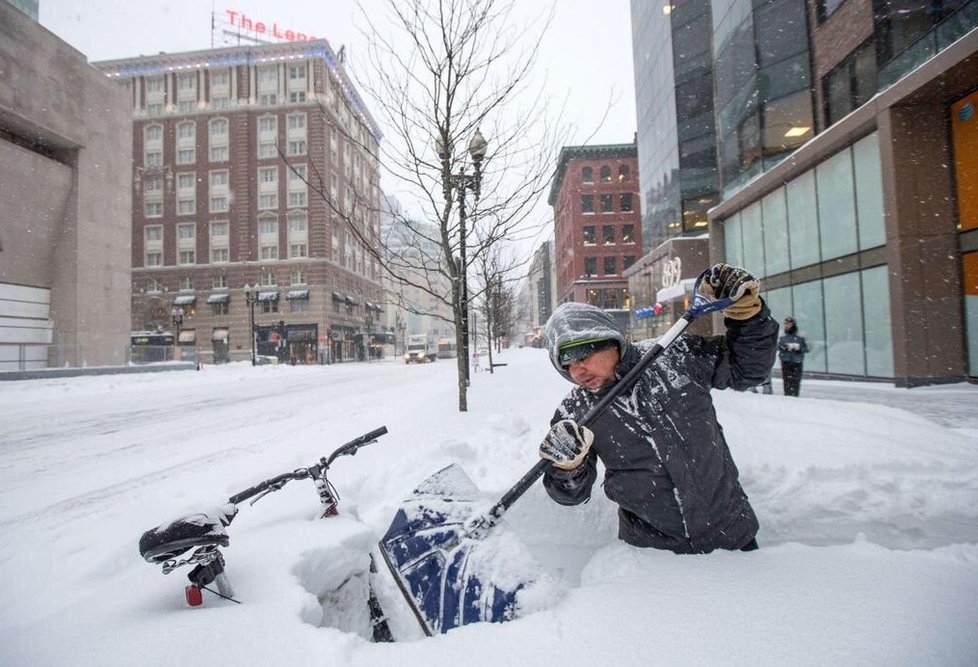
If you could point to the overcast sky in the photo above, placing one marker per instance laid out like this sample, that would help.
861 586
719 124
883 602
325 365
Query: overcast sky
585 59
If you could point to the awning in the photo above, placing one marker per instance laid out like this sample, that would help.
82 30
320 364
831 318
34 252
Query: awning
676 291
297 294
185 299
352 300
268 296
188 336
338 297
370 305
218 298
220 334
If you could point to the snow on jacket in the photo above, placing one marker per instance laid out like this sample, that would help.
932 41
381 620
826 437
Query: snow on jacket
792 348
667 465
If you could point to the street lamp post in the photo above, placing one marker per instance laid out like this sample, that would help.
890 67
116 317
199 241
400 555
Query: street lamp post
251 299
176 314
463 182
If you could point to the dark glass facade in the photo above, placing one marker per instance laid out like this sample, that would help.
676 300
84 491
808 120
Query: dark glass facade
674 105
764 98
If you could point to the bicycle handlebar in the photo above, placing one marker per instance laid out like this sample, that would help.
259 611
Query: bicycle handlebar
313 471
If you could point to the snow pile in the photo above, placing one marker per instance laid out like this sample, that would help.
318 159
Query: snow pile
869 524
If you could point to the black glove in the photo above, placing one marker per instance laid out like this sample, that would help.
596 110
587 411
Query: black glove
567 444
732 282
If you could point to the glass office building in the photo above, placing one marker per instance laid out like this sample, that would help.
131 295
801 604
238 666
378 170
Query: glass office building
868 235
844 167
674 104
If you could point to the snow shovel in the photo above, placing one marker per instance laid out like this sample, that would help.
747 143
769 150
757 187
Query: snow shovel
438 552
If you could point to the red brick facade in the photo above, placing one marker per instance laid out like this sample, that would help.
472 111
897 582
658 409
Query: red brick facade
302 92
597 223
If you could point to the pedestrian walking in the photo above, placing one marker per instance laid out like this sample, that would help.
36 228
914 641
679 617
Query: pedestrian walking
792 348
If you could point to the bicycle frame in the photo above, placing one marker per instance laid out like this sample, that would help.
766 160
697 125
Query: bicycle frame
205 533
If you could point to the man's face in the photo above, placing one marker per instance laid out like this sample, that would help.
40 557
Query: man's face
596 370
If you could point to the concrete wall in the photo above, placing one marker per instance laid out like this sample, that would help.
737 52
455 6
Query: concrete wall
65 187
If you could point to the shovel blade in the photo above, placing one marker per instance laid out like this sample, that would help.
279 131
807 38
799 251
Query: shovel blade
448 577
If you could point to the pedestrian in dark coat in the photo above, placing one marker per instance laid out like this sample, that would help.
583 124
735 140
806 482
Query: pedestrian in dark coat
792 348
666 461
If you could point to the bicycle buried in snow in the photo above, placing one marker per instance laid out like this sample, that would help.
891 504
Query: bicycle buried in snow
205 533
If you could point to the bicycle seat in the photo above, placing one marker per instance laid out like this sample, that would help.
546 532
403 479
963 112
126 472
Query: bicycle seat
169 540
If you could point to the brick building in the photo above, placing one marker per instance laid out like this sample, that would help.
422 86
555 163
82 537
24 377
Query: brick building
597 229
253 166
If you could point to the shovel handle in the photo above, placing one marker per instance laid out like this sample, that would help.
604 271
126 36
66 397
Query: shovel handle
700 306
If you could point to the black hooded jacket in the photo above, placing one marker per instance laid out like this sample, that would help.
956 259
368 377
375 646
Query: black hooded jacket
667 465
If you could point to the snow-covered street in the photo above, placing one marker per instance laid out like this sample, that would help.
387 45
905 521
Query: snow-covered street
868 508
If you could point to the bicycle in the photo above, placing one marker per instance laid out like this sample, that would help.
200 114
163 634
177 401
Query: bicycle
205 533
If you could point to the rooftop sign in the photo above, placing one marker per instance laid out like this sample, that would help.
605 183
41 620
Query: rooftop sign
264 30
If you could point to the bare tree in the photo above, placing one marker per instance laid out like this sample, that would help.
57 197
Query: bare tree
456 74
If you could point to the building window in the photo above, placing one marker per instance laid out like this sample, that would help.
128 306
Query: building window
827 7
606 174
219 282
187 243
628 233
154 84
153 245
219 243
186 143
627 262
267 137
219 194
607 205
608 234
587 203
153 209
610 266
267 201
299 305
298 236
186 194
588 233
267 279
624 174
186 283
298 277
297 72
154 286
296 147
220 308
851 84
218 140
590 266
268 238
587 175
625 202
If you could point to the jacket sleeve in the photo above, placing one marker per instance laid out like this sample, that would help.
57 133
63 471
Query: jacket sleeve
745 354
571 487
